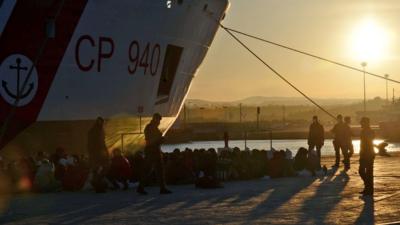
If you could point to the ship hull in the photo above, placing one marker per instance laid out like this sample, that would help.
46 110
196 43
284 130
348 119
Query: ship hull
122 61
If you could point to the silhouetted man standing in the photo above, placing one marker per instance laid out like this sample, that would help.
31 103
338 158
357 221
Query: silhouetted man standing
316 138
348 149
153 154
367 156
97 149
339 140
226 139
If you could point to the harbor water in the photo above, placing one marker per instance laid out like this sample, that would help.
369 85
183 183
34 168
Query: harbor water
293 145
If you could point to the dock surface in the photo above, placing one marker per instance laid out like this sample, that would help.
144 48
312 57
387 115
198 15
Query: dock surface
333 199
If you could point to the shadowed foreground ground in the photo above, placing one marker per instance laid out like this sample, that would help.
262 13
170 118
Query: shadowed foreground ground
304 200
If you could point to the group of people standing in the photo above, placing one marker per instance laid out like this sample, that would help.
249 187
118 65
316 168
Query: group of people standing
342 142
153 157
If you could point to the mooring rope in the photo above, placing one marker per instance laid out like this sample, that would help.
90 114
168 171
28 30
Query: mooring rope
310 55
277 73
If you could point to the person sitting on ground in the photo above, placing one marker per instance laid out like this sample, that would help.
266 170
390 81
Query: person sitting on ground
196 162
270 153
382 151
45 180
258 163
39 157
241 164
235 165
224 165
120 169
276 165
288 170
211 158
138 165
207 182
57 155
75 175
188 164
313 163
175 169
99 182
301 159
59 159
201 160
265 162
27 170
305 160
288 154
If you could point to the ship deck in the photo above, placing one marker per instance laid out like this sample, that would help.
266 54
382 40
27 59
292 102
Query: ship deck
303 200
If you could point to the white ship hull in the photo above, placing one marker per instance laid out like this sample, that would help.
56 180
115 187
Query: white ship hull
121 60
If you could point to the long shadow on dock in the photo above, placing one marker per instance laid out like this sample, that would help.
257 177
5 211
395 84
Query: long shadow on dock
367 215
65 208
326 197
232 195
283 191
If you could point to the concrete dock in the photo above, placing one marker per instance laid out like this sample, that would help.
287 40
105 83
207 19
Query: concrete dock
333 199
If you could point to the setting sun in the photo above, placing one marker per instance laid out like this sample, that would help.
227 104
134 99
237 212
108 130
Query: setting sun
369 41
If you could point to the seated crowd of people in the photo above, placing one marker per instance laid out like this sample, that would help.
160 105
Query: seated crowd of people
204 168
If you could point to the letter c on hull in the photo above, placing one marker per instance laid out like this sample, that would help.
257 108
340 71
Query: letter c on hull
89 66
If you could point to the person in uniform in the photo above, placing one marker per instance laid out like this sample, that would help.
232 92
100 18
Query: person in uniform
316 138
367 157
153 154
339 132
97 149
348 149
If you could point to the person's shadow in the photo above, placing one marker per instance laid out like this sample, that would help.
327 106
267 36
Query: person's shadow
327 194
367 215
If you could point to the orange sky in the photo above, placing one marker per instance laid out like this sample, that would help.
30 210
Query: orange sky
327 28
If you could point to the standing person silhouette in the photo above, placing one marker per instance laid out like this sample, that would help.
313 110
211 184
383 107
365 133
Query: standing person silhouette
367 157
153 154
339 140
348 144
226 139
316 138
98 155
97 149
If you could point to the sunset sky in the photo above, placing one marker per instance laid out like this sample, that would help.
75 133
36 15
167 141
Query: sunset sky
342 30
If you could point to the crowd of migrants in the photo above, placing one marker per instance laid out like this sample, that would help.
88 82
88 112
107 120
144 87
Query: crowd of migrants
205 168
101 172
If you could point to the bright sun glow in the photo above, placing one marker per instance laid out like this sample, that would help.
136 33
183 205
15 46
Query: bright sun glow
370 41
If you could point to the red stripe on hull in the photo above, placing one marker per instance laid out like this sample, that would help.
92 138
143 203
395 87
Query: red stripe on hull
24 34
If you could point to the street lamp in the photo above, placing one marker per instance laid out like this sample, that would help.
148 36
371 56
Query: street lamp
364 64
387 90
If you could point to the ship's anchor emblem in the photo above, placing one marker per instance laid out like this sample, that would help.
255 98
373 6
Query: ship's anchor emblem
13 74
18 95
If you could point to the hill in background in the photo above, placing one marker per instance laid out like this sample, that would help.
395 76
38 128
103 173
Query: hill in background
264 101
